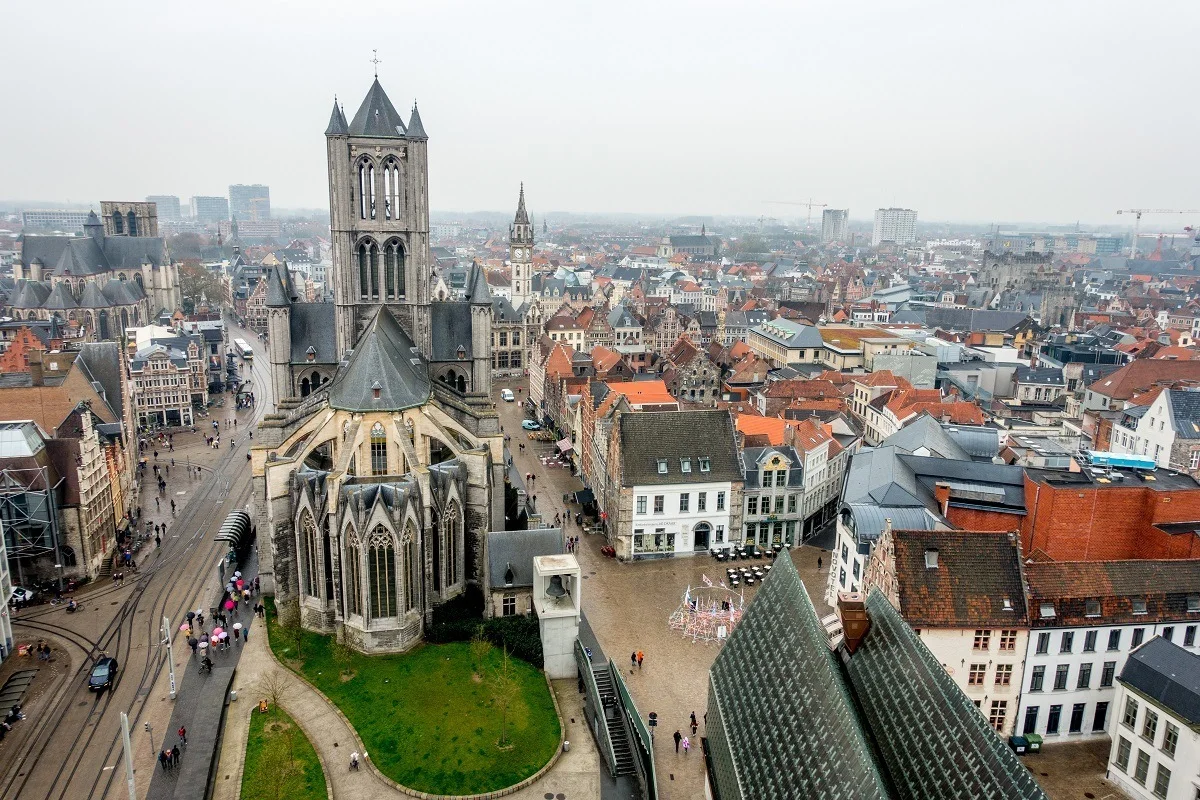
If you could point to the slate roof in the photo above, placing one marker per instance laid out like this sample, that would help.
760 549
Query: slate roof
791 334
516 550
60 298
84 255
1185 412
926 432
377 116
451 323
1168 675
101 362
971 319
416 129
92 297
312 325
522 217
277 291
675 436
337 121
934 742
1043 376
976 572
781 722
752 458
30 294
384 357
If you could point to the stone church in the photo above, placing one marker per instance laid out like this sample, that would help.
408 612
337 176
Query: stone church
382 467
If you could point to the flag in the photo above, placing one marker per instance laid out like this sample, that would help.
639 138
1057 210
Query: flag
707 581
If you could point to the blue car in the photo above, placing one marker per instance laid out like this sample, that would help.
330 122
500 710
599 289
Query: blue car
530 425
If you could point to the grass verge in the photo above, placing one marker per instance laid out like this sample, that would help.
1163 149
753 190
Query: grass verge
280 761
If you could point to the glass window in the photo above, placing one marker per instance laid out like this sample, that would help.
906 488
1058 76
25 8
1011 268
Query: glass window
1106 675
1084 680
1129 718
1101 718
1189 636
975 677
1139 605
1114 640
1138 635
659 503
1168 632
779 504
720 498
1150 726
1004 674
662 466
751 505
1036 678
1193 600
998 713
702 501
1061 673
1077 711
1123 751
1031 715
1089 642
641 504
510 605
791 504
1142 768
1092 608
378 450
768 479
1046 610
1162 781
1067 642
1043 643
685 501
705 465
685 465
1170 739
983 639
1053 718
1008 640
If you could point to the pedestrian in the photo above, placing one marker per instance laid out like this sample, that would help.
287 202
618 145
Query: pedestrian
354 761
158 541
157 506
633 659
194 643
678 737
172 508
687 745
640 656
694 726
819 563
183 734
175 753
162 759
246 633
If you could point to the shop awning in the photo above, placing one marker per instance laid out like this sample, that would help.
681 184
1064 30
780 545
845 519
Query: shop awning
584 497
235 529
564 445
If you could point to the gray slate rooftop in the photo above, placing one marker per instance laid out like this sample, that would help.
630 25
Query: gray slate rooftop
385 358
516 550
675 437
1168 675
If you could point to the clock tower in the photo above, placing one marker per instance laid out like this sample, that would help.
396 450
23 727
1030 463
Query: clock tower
520 254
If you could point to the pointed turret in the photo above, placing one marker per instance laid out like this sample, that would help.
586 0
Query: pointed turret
415 129
337 121
93 227
522 215
478 292
377 116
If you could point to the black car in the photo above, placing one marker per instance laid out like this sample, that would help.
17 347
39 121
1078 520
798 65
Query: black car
104 674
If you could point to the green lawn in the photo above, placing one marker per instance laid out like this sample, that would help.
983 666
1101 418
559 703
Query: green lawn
427 721
280 761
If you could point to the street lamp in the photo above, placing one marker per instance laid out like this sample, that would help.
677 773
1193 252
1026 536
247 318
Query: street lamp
166 634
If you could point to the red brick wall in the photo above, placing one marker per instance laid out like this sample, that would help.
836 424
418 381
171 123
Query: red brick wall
1084 523
975 519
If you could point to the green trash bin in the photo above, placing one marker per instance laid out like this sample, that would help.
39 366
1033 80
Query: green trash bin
1019 744
1034 741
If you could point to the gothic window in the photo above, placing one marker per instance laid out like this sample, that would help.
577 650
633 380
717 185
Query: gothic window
393 269
378 450
374 268
363 266
118 223
137 278
412 569
381 573
133 231
392 189
451 529
353 574
304 387
312 581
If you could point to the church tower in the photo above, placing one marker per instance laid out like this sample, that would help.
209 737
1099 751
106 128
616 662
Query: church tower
520 253
379 218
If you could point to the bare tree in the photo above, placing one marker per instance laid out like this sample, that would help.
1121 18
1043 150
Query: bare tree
480 647
504 691
273 685
342 655
289 626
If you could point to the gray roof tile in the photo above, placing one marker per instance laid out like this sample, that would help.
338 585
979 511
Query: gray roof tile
673 436
1168 675
382 357
516 550
377 116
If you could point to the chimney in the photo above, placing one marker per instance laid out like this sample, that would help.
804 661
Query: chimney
852 609
35 368
941 491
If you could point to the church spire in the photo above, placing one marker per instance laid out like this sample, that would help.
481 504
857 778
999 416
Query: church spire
415 129
522 215
337 121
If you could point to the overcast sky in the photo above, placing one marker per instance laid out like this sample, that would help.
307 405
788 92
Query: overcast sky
970 111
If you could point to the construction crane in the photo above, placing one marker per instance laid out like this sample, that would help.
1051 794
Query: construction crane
811 205
1137 221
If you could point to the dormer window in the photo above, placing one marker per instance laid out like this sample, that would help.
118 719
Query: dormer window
1046 610
1008 606
685 465
931 558
705 465
1139 605
662 466
1092 608
509 577
1193 603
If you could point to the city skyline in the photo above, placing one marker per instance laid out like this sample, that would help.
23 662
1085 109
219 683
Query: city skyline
967 117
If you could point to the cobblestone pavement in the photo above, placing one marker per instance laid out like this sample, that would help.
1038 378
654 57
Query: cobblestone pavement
1074 771
628 606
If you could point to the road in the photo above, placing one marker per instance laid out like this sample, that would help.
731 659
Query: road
69 747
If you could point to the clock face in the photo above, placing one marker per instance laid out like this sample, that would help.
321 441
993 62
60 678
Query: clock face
517 253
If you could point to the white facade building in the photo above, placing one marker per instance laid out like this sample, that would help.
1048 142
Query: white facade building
897 225
1155 727
681 518
834 224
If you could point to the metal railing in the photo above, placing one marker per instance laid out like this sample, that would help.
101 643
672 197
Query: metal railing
641 734
593 707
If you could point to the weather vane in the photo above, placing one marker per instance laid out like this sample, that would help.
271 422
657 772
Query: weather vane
375 60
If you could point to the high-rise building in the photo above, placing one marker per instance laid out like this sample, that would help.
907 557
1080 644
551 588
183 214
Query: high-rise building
833 224
897 225
250 202
53 219
168 207
210 209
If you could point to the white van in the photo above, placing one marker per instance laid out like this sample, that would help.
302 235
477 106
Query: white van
507 395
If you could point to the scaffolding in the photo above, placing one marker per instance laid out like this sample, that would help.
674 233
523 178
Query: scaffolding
29 515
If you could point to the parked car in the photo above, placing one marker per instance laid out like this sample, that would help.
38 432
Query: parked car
103 674
22 594
507 395
530 425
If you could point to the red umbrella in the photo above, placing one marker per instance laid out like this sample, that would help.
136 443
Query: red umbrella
228 605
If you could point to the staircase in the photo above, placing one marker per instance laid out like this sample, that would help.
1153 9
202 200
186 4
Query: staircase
612 720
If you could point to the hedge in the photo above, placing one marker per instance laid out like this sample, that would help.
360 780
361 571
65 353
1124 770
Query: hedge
458 619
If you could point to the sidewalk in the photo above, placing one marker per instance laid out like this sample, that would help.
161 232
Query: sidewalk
576 774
